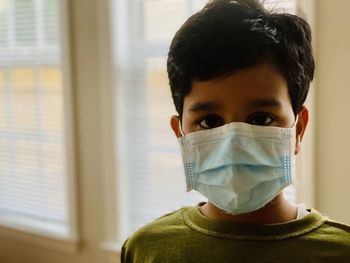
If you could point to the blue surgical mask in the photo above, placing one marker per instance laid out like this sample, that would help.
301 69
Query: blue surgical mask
239 167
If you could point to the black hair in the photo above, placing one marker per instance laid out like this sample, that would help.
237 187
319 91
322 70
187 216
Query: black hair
228 35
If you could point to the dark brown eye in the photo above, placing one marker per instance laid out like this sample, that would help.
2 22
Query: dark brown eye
211 121
261 119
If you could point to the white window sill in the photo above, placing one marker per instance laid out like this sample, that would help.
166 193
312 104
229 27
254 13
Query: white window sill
43 237
112 250
111 247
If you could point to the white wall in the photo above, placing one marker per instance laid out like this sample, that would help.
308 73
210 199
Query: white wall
333 109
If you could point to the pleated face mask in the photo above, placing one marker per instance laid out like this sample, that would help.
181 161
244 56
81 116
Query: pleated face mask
239 167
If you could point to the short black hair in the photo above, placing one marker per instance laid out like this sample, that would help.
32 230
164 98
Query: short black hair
228 35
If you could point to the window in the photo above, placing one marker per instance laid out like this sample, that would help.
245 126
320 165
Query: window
34 192
150 172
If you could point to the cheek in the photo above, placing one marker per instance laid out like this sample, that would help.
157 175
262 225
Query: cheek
288 116
186 117
188 122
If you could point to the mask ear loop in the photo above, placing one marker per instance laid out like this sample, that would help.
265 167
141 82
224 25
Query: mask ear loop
296 121
180 128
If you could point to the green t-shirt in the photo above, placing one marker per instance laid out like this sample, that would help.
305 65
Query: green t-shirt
188 236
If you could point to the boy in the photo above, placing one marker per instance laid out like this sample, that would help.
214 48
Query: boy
239 76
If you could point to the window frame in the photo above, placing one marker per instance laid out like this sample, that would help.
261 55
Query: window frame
47 239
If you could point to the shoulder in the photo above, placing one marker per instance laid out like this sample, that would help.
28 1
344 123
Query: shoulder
333 240
164 225
332 235
338 229
154 236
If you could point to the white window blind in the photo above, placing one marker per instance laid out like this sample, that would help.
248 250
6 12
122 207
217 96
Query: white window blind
150 173
33 167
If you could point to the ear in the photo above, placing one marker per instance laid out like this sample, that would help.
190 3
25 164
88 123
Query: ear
175 122
303 119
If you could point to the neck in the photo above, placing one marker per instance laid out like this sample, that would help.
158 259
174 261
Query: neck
279 210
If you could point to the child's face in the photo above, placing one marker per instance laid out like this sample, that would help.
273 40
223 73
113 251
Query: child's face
257 95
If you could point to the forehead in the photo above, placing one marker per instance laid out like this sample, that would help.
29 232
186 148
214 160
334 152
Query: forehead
261 82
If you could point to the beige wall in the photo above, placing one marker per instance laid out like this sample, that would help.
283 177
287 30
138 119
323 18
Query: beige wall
333 109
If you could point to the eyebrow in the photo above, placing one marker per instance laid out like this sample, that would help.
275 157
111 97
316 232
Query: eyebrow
212 106
205 106
265 103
